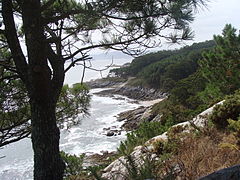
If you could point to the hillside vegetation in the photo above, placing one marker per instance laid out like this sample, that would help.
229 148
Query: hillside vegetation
161 70
195 78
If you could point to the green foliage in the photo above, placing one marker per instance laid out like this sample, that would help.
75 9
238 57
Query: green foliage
234 125
217 76
210 95
152 167
220 66
14 107
15 110
164 69
73 102
171 112
145 131
94 171
74 165
230 109
147 169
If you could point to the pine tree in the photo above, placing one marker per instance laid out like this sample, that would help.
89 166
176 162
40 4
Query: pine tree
221 66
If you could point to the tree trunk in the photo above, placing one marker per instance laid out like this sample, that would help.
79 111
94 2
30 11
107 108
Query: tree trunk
43 85
43 94
45 141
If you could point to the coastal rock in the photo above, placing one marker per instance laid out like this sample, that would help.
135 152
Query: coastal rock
104 83
132 118
118 168
110 133
157 118
138 93
127 115
162 137
147 115
98 159
106 129
201 119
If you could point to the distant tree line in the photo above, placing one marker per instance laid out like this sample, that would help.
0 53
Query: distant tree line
161 70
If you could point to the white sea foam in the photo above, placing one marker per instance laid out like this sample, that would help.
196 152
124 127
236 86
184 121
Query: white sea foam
88 137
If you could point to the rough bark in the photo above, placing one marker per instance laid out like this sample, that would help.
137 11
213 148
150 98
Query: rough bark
43 86
45 133
45 140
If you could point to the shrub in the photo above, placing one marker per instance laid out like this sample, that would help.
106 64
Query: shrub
230 109
145 131
147 170
200 155
74 165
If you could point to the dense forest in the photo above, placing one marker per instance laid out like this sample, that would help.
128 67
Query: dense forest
163 69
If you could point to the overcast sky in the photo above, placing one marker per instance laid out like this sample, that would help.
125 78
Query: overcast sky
208 22
212 20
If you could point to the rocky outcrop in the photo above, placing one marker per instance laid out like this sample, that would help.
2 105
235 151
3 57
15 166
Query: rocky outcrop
138 93
232 173
103 83
117 169
119 86
112 131
98 159
133 118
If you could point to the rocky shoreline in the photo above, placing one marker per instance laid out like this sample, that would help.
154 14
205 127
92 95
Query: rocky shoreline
120 87
105 83
147 97
138 93
132 118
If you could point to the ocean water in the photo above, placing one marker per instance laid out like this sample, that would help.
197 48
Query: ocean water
74 75
87 137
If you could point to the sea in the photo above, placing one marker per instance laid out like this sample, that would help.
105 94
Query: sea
88 137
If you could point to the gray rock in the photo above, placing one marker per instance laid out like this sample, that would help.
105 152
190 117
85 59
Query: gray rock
231 173
102 83
147 115
132 117
137 93
117 169
110 133
157 118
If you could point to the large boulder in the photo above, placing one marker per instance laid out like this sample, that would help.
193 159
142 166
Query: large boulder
147 115
132 118
231 173
117 170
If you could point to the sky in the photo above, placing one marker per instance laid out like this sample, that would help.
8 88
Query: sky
212 20
208 21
